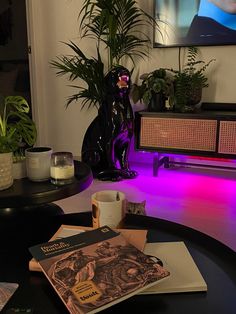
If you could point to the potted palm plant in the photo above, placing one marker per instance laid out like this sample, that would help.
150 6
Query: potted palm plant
16 130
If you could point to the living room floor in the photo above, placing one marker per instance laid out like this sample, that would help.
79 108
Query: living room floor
203 199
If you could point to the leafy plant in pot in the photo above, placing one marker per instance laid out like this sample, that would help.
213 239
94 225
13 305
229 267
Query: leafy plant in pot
115 28
16 130
189 81
156 88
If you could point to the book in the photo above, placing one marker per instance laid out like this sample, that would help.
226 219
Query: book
7 289
185 275
96 269
137 237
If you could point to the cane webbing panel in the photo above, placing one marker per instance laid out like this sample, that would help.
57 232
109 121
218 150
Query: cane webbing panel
190 134
227 139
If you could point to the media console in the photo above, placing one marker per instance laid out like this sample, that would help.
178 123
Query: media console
207 133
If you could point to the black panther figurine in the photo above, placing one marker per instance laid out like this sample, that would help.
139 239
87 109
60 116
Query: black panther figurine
107 140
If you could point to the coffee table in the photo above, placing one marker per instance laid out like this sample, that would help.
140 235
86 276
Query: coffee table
215 261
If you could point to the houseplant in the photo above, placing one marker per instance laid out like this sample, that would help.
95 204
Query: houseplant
189 80
117 28
156 88
16 130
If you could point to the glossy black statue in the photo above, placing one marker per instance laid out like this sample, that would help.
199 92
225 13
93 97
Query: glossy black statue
107 140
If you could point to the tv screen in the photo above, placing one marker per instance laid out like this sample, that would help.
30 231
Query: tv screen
194 22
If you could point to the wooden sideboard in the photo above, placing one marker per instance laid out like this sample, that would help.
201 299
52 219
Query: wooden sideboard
207 133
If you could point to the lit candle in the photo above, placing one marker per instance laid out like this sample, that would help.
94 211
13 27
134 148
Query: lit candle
62 168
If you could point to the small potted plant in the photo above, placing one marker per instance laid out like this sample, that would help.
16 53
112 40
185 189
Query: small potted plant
16 130
156 88
189 81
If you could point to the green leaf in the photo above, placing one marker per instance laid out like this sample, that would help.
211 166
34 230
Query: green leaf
16 126
18 102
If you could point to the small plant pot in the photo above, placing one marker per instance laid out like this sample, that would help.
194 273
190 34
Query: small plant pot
38 160
195 97
157 103
189 101
6 172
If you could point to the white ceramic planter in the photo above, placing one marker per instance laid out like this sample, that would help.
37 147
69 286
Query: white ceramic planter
6 172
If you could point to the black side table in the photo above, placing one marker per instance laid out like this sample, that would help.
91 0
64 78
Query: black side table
28 204
25 194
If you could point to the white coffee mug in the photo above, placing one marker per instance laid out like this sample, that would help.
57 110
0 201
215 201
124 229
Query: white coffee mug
38 163
108 208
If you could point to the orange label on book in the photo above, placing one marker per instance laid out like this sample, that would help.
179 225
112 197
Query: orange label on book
86 292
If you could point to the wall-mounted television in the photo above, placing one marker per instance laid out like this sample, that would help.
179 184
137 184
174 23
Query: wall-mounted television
194 23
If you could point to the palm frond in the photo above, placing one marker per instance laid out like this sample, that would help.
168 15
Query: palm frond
88 71
112 22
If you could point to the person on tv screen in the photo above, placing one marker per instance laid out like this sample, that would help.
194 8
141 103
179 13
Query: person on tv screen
215 23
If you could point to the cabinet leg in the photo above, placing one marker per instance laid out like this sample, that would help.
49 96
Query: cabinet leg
166 162
155 164
158 162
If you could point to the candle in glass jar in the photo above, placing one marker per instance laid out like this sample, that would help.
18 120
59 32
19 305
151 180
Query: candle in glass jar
62 168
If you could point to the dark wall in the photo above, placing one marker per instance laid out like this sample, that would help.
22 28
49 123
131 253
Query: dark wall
13 30
14 64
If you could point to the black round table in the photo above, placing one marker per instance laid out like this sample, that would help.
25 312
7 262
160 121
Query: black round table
25 196
26 208
215 261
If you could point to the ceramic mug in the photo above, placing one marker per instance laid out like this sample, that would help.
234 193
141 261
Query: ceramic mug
38 163
108 208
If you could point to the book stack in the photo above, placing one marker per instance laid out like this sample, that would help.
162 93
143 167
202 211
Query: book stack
93 269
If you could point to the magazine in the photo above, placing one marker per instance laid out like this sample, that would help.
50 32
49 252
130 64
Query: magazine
137 237
96 269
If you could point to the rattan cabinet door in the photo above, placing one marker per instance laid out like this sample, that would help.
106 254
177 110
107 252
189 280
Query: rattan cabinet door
227 137
172 133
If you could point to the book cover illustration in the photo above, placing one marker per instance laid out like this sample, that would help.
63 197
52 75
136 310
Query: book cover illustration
6 291
96 269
